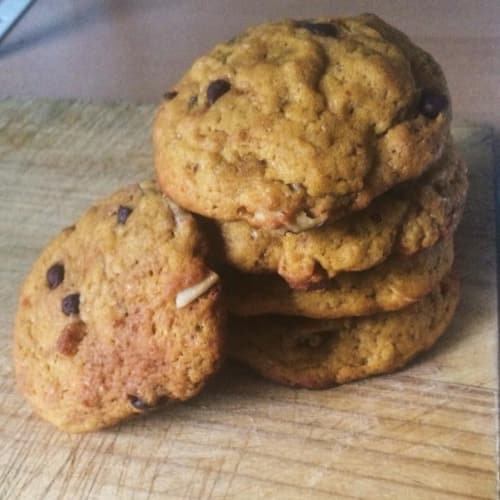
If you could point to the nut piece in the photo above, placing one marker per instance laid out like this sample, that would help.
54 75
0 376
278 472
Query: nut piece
303 222
402 296
186 296
179 214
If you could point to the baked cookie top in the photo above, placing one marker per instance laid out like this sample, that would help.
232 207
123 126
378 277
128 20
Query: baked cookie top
294 123
119 313
409 218
321 353
394 284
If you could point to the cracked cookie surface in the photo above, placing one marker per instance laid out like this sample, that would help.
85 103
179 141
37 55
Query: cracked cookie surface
321 353
394 284
404 221
295 123
98 333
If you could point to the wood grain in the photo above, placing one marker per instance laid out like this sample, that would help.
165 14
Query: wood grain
426 432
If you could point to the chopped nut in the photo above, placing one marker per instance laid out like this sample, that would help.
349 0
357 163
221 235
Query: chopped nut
186 296
179 214
304 222
402 296
147 185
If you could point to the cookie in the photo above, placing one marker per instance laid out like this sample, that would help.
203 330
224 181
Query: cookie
403 221
294 123
321 353
394 284
119 314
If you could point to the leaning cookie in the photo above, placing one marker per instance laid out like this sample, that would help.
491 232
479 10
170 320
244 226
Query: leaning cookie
403 221
394 284
321 353
295 123
119 314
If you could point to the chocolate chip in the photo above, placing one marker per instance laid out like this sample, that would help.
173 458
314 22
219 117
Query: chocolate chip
123 214
141 405
137 403
376 218
217 89
171 94
71 304
321 29
55 275
431 103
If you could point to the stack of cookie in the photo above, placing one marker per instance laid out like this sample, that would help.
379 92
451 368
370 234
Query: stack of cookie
320 152
307 185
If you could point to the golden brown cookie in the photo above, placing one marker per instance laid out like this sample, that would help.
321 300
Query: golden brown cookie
321 353
403 221
394 284
118 314
295 123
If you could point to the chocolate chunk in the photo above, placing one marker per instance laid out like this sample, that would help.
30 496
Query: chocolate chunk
431 103
123 214
55 275
138 403
376 218
321 29
141 405
217 89
171 94
71 304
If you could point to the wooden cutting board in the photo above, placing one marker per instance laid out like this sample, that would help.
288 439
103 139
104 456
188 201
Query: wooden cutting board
426 432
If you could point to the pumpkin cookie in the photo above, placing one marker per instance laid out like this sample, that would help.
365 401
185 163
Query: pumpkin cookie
118 314
321 353
403 221
394 284
295 123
